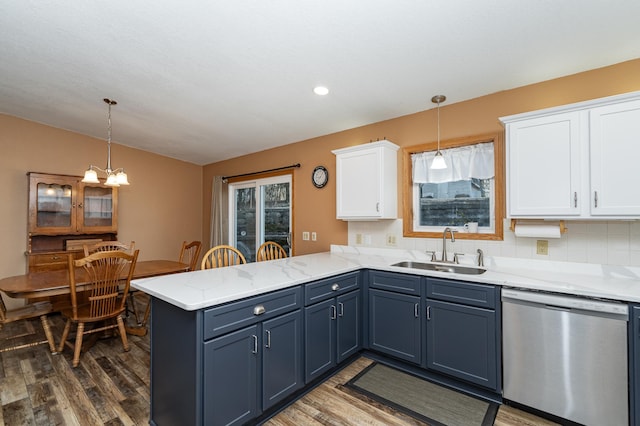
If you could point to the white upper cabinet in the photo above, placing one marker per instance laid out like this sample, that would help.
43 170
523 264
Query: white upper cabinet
543 167
366 181
578 161
615 159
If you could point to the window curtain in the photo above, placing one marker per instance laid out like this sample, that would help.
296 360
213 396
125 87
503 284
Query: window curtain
219 212
464 163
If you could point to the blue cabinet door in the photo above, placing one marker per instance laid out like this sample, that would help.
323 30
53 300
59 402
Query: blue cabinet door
231 377
349 324
319 338
282 371
461 342
395 324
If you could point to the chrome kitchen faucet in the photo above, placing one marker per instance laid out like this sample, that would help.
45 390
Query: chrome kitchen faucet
444 242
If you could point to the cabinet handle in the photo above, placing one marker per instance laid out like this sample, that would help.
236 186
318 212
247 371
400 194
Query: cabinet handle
268 344
575 199
341 310
378 207
335 287
595 198
55 258
259 310
333 312
255 344
80 205
416 310
428 312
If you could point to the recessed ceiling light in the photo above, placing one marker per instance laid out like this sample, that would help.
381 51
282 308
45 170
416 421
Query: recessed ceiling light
320 90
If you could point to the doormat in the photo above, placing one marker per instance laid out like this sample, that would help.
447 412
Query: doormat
423 400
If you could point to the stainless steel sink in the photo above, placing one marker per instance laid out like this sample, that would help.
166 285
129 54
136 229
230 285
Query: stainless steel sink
441 267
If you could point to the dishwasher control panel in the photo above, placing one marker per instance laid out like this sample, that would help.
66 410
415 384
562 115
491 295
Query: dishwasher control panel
568 302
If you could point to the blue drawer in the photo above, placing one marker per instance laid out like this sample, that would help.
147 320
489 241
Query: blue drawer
235 315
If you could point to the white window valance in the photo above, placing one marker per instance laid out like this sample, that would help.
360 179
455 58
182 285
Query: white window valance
464 163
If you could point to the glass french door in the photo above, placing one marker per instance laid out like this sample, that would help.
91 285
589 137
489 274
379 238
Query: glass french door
260 210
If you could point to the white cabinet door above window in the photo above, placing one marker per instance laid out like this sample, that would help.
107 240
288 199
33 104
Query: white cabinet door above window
366 181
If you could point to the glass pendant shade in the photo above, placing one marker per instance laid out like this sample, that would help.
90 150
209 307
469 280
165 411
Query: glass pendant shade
438 161
121 178
112 180
90 176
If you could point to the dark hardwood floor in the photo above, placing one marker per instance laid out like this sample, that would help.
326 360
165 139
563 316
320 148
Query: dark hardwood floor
111 387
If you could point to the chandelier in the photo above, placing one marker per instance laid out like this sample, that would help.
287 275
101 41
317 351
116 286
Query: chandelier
115 177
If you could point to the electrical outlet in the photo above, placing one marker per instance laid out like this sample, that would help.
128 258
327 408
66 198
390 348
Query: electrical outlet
314 236
305 236
542 247
358 238
391 240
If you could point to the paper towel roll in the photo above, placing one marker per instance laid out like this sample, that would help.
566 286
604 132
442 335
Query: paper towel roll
537 231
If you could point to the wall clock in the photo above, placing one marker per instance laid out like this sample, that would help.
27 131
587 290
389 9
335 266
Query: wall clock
320 177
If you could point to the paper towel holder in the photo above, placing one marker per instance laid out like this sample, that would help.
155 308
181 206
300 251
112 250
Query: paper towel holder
512 227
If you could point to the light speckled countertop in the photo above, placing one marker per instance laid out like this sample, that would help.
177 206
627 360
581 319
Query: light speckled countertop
202 289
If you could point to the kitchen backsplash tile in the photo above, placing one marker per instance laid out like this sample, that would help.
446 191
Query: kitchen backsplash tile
609 243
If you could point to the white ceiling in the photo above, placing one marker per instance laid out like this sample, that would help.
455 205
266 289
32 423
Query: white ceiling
205 80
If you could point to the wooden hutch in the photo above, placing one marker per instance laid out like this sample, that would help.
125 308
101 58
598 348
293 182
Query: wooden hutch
64 214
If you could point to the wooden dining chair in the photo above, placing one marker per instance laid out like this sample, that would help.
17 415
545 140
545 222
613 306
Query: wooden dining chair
270 250
109 246
190 253
222 255
24 313
117 246
103 301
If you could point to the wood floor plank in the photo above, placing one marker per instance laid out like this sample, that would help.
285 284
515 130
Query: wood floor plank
12 388
18 413
509 416
74 391
62 408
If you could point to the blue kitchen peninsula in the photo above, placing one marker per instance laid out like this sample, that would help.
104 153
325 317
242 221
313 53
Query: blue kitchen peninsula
231 344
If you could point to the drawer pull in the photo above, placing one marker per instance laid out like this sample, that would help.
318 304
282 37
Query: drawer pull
259 310
335 287
55 257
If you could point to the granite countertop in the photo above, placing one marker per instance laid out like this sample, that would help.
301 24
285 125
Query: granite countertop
202 289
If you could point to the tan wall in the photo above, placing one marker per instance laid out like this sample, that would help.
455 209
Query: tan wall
314 209
161 208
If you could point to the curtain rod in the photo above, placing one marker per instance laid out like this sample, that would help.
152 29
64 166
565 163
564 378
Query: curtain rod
293 166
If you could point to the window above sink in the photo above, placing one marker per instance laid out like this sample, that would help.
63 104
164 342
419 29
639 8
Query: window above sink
434 200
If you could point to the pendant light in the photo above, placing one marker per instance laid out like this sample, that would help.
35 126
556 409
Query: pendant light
115 177
438 160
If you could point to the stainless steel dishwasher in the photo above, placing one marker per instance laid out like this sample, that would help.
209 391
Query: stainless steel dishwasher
566 356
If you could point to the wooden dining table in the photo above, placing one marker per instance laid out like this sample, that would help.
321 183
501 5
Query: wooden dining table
36 285
54 283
